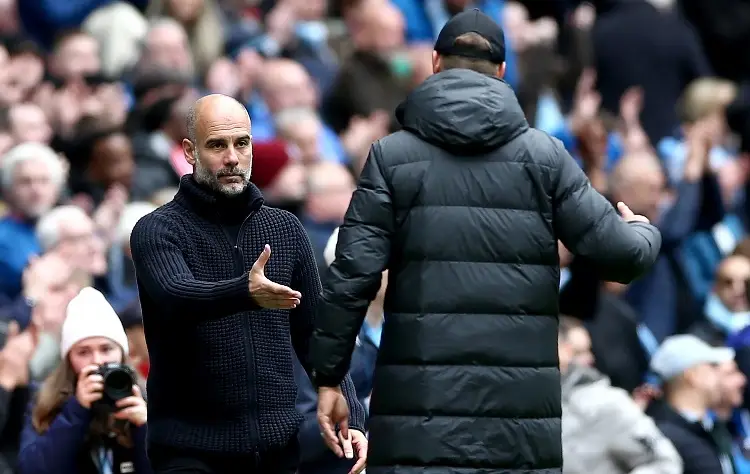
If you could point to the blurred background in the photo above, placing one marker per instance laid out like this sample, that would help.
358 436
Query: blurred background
648 96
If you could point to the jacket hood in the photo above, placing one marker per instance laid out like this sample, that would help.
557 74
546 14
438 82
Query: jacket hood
463 111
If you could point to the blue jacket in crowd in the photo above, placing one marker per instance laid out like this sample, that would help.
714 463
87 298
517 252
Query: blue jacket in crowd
61 450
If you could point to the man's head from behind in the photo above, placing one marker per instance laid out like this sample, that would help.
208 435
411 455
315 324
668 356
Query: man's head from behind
219 145
470 40
688 368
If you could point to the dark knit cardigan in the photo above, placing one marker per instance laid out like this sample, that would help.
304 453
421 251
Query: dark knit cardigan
221 378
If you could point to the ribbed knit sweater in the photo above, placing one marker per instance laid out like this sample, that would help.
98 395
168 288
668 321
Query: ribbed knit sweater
221 377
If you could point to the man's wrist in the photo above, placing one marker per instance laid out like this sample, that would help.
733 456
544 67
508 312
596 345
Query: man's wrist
320 381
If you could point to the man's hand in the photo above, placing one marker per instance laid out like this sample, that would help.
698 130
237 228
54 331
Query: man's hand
333 410
355 446
266 293
630 216
15 356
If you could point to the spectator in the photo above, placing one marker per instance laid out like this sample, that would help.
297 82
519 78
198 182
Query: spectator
603 429
32 179
66 431
329 189
15 377
692 387
727 310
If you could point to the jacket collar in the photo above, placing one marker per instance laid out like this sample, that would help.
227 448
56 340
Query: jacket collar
210 204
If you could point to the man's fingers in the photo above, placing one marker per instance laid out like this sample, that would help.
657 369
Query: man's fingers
328 432
281 291
625 211
346 444
360 464
263 258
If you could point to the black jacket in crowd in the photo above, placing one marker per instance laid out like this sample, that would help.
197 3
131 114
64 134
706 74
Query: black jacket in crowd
465 207
221 378
704 448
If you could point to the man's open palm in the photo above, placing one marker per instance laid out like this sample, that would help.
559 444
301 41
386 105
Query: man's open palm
266 293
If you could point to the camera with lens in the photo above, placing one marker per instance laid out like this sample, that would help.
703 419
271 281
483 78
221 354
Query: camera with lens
118 384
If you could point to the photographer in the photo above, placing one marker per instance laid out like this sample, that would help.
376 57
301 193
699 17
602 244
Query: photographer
89 415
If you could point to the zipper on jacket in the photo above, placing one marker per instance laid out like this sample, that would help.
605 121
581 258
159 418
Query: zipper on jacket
239 268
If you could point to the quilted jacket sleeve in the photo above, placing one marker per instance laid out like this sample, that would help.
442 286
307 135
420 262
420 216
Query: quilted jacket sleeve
353 279
590 227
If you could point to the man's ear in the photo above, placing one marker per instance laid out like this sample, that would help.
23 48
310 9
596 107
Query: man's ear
189 150
501 70
436 63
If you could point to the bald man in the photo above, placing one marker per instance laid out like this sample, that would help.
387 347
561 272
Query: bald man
221 316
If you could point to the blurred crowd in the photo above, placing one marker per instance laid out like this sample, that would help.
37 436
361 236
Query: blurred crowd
648 96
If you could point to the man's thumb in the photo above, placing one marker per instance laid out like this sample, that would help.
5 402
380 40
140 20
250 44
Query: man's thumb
344 428
625 211
263 259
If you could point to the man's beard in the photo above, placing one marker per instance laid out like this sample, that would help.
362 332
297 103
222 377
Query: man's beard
211 180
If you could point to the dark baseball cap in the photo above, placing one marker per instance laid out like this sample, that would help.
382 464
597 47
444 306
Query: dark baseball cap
472 21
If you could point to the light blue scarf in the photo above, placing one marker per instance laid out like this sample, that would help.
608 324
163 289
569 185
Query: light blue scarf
721 317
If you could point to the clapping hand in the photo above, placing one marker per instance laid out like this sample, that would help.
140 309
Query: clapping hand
15 356
266 293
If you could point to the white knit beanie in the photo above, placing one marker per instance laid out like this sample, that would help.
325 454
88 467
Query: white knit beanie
90 315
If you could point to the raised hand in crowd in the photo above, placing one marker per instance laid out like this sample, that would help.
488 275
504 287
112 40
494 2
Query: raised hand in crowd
699 141
361 132
16 355
266 293
281 21
133 408
107 215
631 105
645 394
586 101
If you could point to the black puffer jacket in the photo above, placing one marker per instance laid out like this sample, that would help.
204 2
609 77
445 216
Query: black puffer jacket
465 207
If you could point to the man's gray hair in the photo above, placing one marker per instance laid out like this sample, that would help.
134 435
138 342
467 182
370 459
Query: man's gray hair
48 227
36 152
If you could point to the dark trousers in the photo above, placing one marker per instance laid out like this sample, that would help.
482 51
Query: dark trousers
168 460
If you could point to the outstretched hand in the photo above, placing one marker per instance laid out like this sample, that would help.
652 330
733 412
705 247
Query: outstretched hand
266 293
630 216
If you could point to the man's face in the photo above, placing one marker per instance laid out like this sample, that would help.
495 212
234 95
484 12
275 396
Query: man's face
223 153
168 47
575 349
288 86
29 124
77 57
732 384
704 380
731 280
81 247
34 190
113 161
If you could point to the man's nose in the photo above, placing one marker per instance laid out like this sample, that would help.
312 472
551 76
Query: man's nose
231 159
